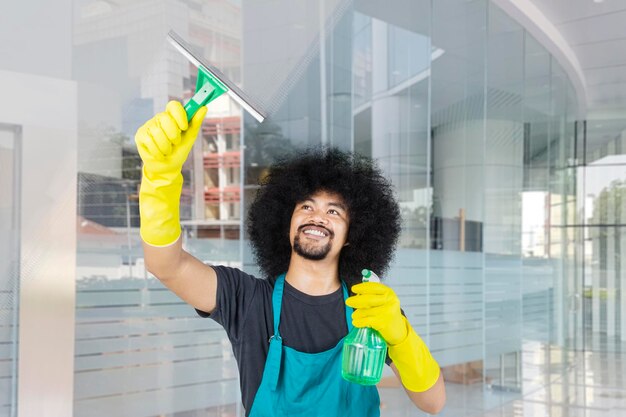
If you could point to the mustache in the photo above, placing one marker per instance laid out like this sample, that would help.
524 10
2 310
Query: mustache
330 233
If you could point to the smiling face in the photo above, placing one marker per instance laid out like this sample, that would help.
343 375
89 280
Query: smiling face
319 226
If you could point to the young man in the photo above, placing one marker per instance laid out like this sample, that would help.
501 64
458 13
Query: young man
317 221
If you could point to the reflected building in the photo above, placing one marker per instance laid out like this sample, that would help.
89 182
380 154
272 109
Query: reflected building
146 75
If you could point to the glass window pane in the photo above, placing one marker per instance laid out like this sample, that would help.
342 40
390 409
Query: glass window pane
503 184
456 280
605 247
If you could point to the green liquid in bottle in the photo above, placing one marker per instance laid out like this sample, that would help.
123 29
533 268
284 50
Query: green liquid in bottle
364 351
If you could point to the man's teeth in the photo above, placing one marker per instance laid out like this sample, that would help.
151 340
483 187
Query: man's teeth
315 232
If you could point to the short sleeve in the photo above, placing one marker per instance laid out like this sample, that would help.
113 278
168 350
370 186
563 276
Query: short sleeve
236 292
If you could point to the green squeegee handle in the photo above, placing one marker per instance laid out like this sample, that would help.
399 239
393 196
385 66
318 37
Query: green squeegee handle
208 88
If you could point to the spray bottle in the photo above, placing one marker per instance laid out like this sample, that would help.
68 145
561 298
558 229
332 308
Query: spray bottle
364 350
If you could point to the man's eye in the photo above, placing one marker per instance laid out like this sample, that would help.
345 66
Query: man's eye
306 207
333 211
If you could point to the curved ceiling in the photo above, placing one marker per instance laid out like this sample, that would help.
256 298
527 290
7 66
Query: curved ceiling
588 38
527 14
595 30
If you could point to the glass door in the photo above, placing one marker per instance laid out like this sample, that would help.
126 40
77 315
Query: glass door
604 255
603 206
9 266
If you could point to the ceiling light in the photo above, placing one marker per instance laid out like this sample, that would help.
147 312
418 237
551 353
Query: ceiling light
598 1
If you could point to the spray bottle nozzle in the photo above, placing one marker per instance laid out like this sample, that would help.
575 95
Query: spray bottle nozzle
369 276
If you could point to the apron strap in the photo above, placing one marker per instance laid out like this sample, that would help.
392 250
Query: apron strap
274 355
273 362
277 301
349 309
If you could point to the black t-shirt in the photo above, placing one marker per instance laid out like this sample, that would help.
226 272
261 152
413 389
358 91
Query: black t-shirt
308 323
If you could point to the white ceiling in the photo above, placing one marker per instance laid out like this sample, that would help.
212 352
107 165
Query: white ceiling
596 32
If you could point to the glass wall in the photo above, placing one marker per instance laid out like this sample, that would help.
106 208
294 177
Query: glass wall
468 115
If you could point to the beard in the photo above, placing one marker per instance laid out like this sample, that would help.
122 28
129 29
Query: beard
310 251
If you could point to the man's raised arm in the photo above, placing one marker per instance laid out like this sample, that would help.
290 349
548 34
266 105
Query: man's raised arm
163 143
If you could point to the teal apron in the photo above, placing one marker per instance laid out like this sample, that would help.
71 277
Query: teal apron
309 384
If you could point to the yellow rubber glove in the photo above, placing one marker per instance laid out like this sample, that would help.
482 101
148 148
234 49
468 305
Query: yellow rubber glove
164 142
377 306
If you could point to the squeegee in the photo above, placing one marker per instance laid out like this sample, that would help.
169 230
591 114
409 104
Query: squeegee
212 83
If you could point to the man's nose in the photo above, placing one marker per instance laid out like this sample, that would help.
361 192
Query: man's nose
319 217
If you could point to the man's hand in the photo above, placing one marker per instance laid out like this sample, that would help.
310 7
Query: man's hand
164 142
377 306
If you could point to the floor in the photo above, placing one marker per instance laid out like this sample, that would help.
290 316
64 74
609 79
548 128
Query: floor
556 383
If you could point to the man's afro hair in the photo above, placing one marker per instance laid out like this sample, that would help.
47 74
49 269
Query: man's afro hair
375 222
